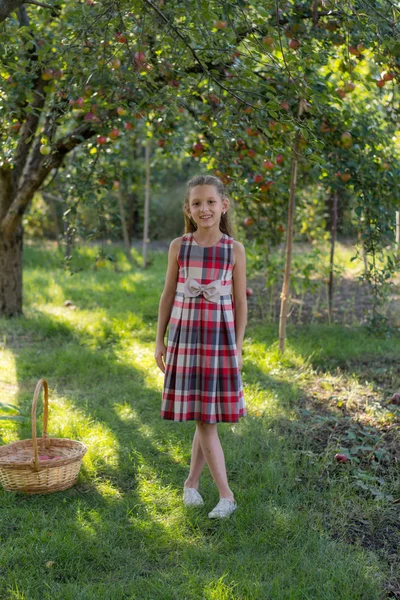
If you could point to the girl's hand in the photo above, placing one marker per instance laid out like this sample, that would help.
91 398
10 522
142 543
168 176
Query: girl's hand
160 355
240 358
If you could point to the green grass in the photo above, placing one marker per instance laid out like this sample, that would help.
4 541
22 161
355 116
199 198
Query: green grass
305 527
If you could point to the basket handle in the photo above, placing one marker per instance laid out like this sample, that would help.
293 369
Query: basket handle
41 383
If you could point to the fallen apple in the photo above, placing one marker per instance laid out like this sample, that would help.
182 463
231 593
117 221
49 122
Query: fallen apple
395 399
342 458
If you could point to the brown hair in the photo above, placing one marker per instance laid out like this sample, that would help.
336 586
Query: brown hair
225 223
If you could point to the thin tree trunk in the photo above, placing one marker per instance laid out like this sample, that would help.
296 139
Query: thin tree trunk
315 13
332 256
11 273
146 204
398 233
123 224
289 241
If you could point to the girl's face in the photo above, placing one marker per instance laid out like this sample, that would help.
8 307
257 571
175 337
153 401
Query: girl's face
206 206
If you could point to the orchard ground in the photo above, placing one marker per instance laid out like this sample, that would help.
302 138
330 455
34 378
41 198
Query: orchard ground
307 526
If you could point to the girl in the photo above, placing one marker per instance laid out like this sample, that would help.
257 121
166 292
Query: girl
204 357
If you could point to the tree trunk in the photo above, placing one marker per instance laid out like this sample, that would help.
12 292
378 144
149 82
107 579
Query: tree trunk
11 274
332 255
289 240
146 204
123 224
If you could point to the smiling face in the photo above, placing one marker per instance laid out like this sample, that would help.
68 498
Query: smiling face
205 206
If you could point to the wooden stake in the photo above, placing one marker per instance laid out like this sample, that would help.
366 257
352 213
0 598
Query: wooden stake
332 256
289 240
123 223
146 203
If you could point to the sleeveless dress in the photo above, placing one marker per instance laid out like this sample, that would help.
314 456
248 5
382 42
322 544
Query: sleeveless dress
202 379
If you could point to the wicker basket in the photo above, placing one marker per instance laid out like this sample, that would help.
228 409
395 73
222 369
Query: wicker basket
43 465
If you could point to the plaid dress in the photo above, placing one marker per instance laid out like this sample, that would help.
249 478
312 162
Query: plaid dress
202 378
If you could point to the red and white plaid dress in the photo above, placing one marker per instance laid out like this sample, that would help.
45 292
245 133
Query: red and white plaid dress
202 378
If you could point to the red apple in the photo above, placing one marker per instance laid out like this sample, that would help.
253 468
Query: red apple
268 41
268 165
395 399
258 178
113 134
388 76
248 221
220 24
198 148
140 59
266 185
342 458
380 83
294 44
101 139
251 132
121 111
120 38
249 291
353 51
128 126
279 159
161 143
251 153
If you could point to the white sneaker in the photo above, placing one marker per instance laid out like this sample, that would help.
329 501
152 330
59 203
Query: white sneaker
191 497
223 509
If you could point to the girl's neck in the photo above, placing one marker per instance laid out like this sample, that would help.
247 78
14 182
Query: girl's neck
208 238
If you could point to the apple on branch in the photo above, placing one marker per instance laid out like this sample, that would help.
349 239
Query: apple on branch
269 165
113 134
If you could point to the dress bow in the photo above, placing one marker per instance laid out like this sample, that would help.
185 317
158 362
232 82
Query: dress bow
211 291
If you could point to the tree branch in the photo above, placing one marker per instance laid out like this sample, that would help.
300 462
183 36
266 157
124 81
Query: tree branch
36 171
195 55
7 7
42 4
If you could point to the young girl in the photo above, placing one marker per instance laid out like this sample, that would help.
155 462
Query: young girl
202 364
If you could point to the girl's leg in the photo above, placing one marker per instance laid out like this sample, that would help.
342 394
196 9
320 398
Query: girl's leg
197 463
214 455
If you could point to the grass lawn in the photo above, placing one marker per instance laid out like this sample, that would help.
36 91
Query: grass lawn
307 527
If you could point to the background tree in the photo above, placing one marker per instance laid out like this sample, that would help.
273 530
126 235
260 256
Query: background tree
72 73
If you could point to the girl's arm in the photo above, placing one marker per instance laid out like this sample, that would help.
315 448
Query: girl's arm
239 295
166 302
